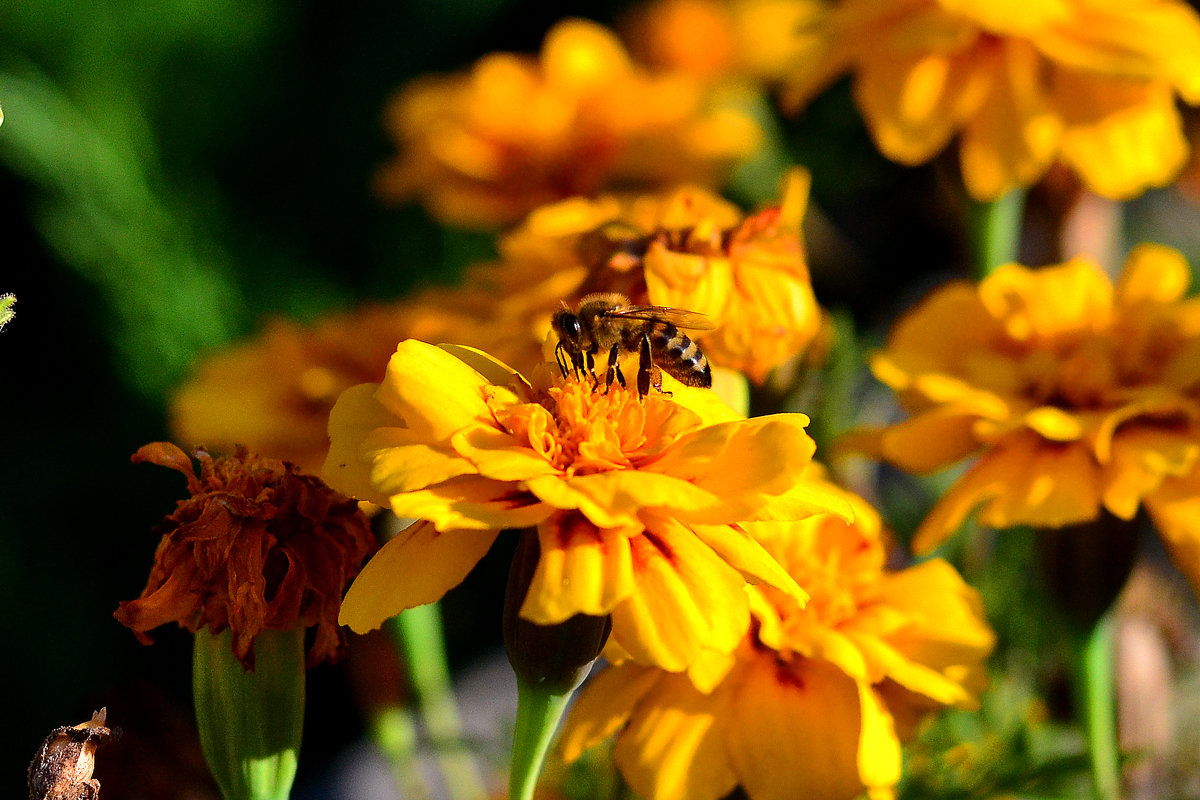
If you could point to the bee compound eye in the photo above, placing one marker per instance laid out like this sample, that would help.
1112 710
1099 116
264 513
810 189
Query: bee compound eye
571 327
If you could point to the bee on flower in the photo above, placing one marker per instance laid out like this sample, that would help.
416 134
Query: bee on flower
636 500
1024 85
816 699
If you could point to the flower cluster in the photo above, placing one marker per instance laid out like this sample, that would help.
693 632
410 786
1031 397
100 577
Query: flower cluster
1075 394
257 546
814 701
1090 83
485 147
636 502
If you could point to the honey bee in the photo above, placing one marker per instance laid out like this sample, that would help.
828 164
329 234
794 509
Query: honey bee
609 322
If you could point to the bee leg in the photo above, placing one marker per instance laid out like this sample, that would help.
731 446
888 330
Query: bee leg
645 365
560 357
614 368
590 361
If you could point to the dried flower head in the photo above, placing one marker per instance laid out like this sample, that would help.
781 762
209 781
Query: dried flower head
258 545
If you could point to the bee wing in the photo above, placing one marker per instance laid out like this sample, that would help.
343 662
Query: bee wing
679 317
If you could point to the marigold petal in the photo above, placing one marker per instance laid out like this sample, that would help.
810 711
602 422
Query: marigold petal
1014 137
926 442
613 499
604 705
165 454
582 569
1023 480
496 454
491 368
1153 274
1175 509
471 503
879 759
418 566
1054 424
946 623
795 732
356 415
687 600
1121 137
804 499
742 552
434 392
1142 458
397 468
675 748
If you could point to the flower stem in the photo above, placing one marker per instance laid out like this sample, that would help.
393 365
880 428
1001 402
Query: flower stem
538 713
996 231
250 721
418 632
1099 686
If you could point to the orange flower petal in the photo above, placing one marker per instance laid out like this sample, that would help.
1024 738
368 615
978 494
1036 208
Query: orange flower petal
1142 458
1153 274
675 749
603 706
879 758
687 600
418 566
742 552
795 733
582 569
1175 509
471 503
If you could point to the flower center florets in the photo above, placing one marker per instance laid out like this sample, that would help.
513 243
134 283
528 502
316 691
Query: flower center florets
582 429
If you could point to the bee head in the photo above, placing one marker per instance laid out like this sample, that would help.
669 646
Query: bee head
566 325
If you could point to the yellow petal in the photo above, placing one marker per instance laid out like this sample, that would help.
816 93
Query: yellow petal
1023 480
878 746
407 467
928 441
1153 273
417 567
1175 509
1121 137
687 600
795 734
496 454
604 705
946 621
613 499
1142 458
355 415
473 503
742 552
434 393
582 569
674 749
491 368
1014 137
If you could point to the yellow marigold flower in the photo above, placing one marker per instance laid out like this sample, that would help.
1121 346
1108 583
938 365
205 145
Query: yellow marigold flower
635 501
485 147
810 703
691 249
1089 82
1076 396
258 546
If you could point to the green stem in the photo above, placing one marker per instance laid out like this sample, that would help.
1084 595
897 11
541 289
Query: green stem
394 732
996 231
418 632
538 713
1099 688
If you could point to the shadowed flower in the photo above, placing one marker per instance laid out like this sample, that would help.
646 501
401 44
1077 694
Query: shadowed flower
1023 84
258 546
814 702
636 502
1075 395
485 147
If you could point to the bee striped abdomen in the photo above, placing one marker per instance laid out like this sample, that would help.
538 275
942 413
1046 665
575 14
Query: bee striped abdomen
676 353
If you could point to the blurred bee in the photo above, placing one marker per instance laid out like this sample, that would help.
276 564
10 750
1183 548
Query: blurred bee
609 322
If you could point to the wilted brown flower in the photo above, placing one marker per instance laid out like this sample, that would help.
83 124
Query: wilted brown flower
258 545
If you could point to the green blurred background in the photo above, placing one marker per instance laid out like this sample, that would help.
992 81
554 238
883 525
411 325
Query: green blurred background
172 172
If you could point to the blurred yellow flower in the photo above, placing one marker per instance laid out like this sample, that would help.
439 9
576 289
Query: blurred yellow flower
1090 82
485 147
1076 396
716 39
636 502
814 702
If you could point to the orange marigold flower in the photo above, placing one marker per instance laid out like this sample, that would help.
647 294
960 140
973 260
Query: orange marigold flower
485 147
258 546
1074 394
810 704
635 501
1091 83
